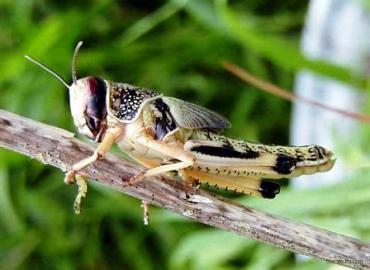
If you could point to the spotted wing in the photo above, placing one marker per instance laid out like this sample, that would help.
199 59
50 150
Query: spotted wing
191 116
126 101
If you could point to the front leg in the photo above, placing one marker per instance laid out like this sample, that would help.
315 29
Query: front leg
154 166
99 153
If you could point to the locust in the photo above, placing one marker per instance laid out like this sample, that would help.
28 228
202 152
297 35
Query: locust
169 135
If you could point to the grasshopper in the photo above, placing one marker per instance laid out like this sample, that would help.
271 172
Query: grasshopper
166 134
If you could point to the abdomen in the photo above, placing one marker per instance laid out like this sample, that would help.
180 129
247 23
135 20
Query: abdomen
216 154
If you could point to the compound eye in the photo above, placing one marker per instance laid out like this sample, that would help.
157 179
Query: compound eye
95 111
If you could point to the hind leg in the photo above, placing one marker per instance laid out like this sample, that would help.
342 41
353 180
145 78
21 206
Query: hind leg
247 185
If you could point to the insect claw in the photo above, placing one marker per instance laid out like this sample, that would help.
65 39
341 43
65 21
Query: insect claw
135 179
196 184
70 177
99 156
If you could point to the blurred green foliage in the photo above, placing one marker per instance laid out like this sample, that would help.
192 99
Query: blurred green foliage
176 47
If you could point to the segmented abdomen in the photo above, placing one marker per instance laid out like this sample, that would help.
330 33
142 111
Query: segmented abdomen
218 154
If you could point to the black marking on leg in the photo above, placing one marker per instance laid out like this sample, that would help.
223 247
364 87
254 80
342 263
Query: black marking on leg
269 189
284 164
224 152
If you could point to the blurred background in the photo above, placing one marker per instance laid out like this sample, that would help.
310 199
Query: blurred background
177 47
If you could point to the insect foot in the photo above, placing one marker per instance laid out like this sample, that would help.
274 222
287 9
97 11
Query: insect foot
82 191
70 178
135 179
191 181
146 214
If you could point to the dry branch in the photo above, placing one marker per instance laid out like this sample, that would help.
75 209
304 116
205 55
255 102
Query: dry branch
59 148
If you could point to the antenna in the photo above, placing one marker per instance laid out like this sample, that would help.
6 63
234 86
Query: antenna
74 76
52 72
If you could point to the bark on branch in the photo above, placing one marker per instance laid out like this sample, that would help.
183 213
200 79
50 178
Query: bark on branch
59 148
